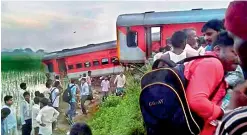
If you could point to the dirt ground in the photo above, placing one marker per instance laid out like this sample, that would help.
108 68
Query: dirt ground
62 125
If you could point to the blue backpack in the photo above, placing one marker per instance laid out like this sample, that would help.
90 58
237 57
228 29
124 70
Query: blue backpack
163 101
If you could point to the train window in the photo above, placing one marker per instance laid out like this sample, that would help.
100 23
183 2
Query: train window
87 64
105 61
132 39
79 65
70 67
95 63
50 67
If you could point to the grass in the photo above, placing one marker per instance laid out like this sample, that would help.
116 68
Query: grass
119 116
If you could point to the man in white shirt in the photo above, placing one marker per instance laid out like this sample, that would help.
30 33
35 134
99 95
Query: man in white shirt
105 85
120 80
45 117
35 112
26 114
85 92
55 94
192 43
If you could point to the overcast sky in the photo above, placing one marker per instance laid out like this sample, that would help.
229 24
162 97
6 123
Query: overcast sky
51 25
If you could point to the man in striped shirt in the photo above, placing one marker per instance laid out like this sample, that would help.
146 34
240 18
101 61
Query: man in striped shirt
234 123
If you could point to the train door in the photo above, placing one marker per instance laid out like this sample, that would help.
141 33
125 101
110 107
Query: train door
131 44
62 66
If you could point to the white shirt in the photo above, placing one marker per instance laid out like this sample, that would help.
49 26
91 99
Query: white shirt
191 51
55 97
84 89
176 58
26 111
120 81
46 116
201 50
47 93
89 80
158 55
105 85
35 112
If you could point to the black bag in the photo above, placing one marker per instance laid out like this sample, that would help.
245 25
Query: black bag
164 104
67 95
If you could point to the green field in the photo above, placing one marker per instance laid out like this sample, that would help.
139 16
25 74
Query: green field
21 62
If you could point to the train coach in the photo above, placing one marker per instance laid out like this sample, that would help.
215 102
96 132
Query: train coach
100 58
134 31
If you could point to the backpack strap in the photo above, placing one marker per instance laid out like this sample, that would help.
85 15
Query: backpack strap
196 57
216 89
200 57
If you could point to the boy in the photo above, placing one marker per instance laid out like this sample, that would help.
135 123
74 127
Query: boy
4 113
72 104
105 85
35 111
45 117
26 114
10 122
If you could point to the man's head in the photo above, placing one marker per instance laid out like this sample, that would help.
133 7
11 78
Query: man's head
211 29
23 86
43 102
83 80
191 37
4 113
223 46
57 77
36 100
178 40
105 78
8 100
48 84
80 129
73 80
89 73
26 96
36 93
235 23
56 84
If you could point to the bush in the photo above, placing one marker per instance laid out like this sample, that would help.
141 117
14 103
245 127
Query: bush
118 116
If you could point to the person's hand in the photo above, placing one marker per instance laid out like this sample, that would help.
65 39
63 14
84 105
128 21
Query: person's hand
239 96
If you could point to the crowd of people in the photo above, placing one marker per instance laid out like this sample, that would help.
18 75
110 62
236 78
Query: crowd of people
225 40
38 115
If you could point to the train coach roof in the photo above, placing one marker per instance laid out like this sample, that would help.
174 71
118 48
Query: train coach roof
171 17
80 50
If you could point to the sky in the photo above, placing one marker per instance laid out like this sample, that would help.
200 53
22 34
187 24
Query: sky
51 25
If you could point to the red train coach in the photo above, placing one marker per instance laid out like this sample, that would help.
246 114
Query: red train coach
134 31
100 58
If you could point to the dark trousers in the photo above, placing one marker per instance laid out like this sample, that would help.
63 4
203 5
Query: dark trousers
27 127
105 95
83 100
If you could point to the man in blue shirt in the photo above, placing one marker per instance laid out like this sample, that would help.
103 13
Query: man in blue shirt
210 31
4 113
72 109
10 123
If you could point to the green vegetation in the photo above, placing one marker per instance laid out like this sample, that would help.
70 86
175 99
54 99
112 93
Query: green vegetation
119 116
21 62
